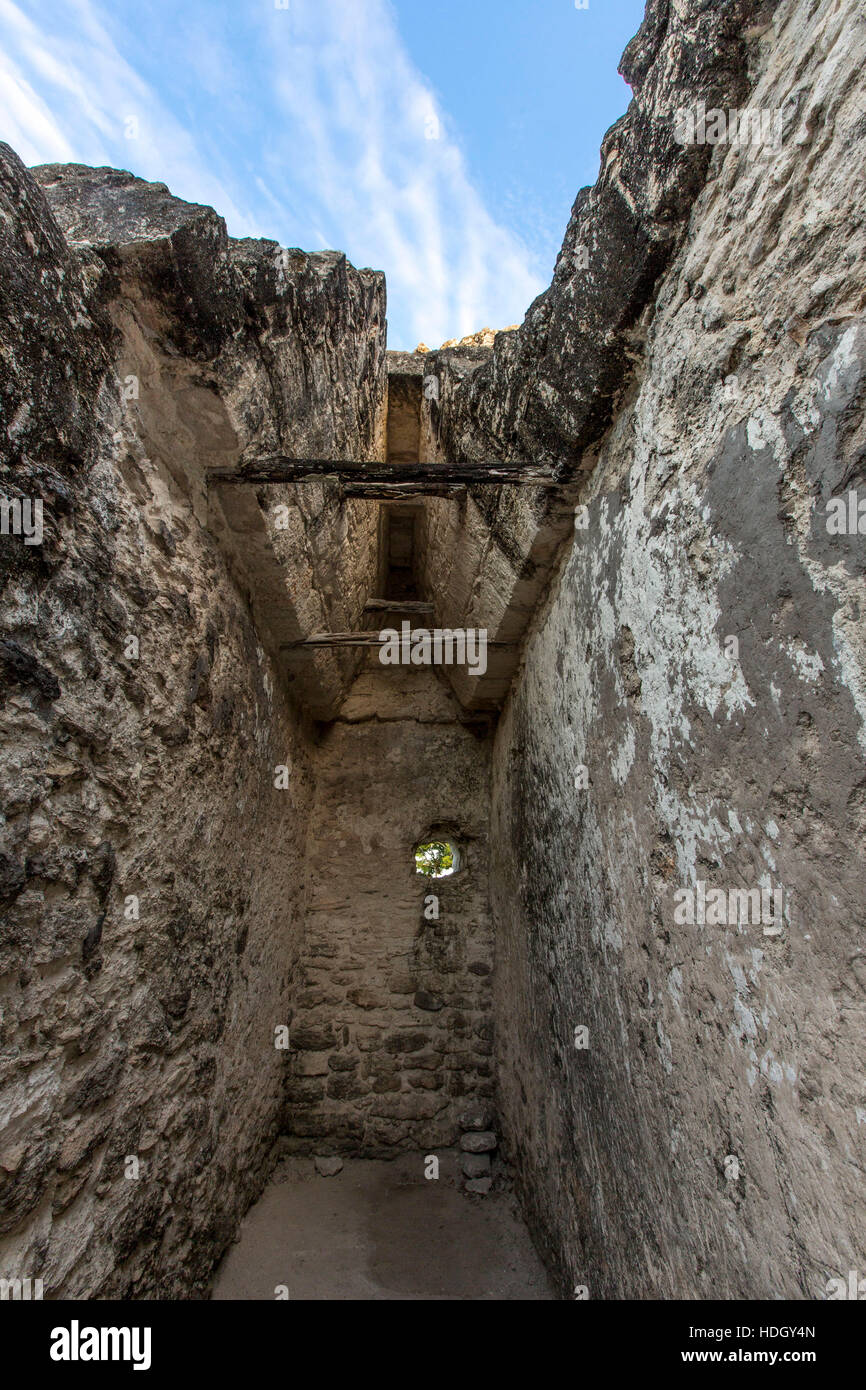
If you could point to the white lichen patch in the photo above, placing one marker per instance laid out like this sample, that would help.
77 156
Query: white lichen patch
806 663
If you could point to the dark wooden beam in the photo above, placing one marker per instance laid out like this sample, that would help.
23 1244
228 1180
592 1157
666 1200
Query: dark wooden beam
360 478
396 605
353 639
407 492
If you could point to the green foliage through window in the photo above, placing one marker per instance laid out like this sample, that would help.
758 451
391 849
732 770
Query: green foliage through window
436 859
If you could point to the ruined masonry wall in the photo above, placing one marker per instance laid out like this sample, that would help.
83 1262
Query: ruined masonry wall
710 1139
152 877
392 1035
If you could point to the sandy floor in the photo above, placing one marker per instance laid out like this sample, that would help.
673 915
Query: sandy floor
380 1231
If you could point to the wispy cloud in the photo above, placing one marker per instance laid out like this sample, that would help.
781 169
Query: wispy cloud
308 124
76 98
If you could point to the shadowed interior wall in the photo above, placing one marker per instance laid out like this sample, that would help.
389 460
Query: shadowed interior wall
392 1033
404 418
155 780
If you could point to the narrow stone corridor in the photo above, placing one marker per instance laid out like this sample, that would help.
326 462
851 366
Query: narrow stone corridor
576 606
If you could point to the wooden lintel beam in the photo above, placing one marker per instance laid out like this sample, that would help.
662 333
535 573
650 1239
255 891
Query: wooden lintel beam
395 605
365 476
404 492
353 639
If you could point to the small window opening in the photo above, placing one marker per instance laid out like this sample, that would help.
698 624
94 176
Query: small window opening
437 858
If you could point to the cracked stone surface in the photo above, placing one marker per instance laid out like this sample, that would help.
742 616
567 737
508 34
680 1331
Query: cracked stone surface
214 948
731 765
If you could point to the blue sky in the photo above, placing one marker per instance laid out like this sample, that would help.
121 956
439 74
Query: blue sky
442 141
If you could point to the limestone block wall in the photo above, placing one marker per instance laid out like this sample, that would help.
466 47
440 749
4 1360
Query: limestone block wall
392 1035
705 1137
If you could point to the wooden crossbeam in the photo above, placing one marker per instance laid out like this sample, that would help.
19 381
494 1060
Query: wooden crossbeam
394 605
353 639
392 492
363 479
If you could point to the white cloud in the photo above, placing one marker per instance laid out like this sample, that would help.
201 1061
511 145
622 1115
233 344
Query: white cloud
72 94
326 130
27 123
409 195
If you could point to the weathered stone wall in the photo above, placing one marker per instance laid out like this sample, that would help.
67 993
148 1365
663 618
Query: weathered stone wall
683 1102
546 392
238 350
392 1033
709 1140
152 874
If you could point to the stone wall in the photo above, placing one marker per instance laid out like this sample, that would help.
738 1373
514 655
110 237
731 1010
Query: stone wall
546 392
189 864
392 1032
152 870
705 1137
229 351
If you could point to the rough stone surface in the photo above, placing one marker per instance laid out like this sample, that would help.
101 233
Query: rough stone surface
212 931
478 1186
546 392
239 350
412 1042
475 1165
328 1167
476 1117
478 1143
706 1137
152 875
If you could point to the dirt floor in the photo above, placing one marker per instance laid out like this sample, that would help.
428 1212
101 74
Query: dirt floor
380 1230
